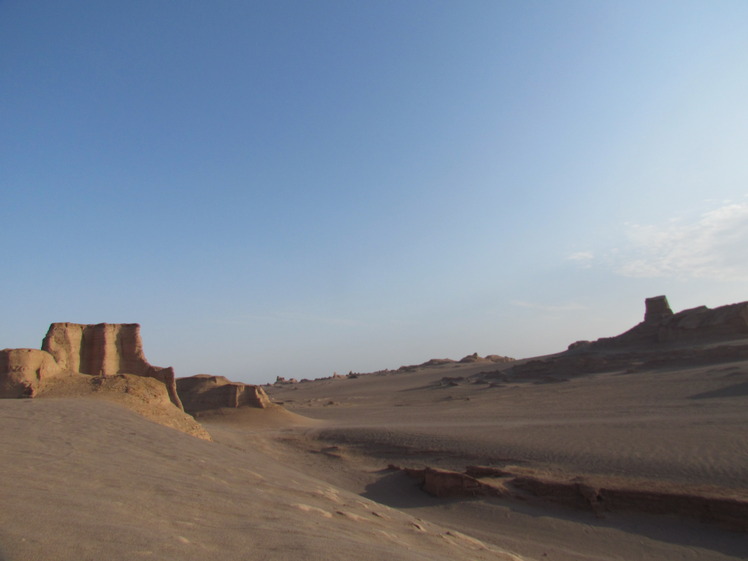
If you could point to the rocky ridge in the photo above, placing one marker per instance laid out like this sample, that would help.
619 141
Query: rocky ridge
693 336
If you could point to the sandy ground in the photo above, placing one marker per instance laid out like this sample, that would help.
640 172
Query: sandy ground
84 479
87 479
683 429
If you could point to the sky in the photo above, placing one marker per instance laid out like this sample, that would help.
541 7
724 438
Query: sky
295 188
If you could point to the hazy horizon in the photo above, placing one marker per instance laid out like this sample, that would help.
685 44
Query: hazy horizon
295 189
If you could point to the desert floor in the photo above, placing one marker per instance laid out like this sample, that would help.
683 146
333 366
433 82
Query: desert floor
86 479
683 429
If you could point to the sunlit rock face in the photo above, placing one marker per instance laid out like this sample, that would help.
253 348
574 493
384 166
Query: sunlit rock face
204 392
104 349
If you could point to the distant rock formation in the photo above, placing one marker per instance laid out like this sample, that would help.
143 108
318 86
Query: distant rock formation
657 309
700 324
464 360
471 358
204 392
694 336
72 348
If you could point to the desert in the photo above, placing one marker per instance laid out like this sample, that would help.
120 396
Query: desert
378 281
628 447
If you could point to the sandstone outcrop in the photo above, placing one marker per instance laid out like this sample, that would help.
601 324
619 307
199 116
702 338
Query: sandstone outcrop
104 361
23 371
204 392
105 349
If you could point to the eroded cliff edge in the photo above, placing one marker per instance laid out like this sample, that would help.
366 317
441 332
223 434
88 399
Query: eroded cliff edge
104 360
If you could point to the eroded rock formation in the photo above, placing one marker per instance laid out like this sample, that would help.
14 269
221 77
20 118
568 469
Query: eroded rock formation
22 371
204 392
464 360
104 349
656 309
703 324
694 336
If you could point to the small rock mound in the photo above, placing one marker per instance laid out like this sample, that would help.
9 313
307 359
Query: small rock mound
204 392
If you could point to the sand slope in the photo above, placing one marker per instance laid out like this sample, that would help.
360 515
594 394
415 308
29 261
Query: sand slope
85 479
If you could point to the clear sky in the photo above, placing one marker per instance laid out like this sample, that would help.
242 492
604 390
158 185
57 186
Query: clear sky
295 188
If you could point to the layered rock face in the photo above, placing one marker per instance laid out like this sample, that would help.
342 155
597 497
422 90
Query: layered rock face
104 349
204 392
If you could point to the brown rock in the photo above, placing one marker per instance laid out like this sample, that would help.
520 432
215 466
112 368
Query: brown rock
695 324
471 358
657 308
204 392
499 358
444 483
105 349
22 371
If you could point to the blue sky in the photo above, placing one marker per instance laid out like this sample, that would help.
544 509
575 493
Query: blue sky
296 188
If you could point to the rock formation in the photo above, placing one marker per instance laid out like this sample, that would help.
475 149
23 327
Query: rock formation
22 371
104 361
694 336
657 309
105 349
465 360
700 324
204 392
600 494
72 348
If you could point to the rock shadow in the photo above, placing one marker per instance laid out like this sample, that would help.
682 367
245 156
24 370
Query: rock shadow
736 390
